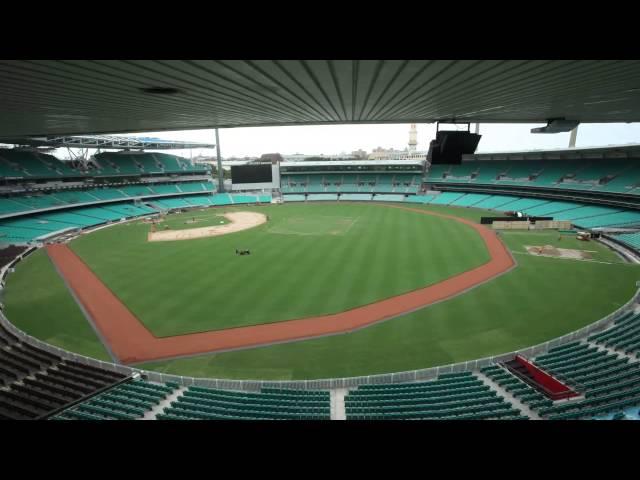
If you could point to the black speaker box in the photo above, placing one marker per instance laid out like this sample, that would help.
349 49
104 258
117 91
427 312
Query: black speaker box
449 146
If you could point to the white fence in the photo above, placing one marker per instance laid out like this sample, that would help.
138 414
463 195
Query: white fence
400 377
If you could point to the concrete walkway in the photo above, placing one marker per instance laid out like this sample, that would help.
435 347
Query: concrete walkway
151 414
338 411
617 353
507 396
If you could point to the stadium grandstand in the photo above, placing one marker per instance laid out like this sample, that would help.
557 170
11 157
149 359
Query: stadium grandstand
124 296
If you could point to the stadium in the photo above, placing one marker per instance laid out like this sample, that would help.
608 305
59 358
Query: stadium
138 284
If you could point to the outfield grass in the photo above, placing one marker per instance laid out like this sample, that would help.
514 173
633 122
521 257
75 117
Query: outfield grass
307 260
313 225
543 298
37 302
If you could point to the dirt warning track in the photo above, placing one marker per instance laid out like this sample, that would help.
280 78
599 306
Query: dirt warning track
131 342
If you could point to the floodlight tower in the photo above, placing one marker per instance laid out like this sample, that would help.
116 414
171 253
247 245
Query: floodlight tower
413 138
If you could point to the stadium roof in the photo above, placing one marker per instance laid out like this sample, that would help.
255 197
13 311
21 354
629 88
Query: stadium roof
105 141
49 97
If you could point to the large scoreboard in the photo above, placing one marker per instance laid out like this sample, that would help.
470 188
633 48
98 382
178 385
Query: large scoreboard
251 173
255 176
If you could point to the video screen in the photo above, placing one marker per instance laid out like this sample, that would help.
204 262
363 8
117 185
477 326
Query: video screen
251 174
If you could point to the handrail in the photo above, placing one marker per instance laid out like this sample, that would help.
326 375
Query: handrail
617 199
84 398
99 202
347 382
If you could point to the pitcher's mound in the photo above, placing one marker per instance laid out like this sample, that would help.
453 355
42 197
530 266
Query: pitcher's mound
238 221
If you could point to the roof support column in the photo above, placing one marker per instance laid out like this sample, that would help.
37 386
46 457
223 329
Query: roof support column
572 138
219 159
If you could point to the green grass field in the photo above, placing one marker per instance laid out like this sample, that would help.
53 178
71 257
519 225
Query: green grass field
307 260
541 299
37 302
313 225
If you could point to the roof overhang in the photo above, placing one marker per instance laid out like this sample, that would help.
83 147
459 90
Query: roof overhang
105 141
64 97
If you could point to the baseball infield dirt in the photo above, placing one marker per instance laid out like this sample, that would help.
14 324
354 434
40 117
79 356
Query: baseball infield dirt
131 342
239 221
551 251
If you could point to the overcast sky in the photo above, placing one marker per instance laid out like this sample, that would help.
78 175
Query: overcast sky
336 139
